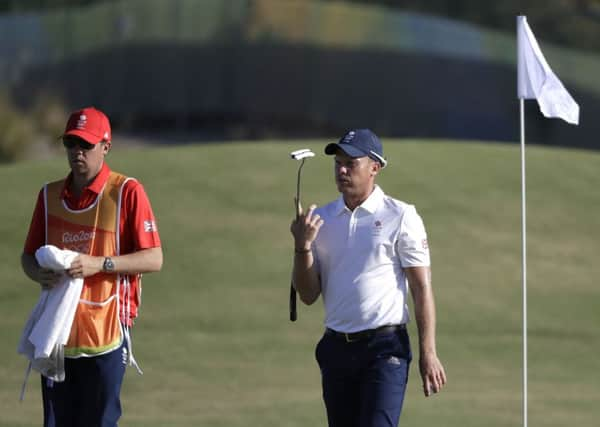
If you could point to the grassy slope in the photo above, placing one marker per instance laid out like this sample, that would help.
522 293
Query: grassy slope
214 340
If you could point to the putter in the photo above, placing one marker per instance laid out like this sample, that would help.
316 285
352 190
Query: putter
300 155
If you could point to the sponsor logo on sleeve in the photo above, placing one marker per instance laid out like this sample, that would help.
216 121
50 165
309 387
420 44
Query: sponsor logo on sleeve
150 226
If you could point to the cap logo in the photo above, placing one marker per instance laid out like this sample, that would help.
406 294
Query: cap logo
106 136
349 137
82 121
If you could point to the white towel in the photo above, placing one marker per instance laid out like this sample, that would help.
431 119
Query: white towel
49 325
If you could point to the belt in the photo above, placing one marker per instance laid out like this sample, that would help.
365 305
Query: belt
367 333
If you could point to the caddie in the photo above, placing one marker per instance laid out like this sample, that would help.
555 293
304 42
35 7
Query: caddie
106 217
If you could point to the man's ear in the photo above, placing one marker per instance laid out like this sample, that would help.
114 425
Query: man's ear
107 146
375 167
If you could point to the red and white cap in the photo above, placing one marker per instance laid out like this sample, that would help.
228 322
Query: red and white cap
89 124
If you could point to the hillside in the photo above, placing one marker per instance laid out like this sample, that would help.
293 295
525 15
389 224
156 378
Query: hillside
214 340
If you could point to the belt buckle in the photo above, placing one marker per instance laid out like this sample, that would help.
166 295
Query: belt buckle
348 339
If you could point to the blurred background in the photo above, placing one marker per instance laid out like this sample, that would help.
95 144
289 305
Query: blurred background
220 92
181 70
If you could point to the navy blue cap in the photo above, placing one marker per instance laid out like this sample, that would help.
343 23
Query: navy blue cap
359 143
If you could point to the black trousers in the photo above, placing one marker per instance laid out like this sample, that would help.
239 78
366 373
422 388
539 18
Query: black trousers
90 394
364 381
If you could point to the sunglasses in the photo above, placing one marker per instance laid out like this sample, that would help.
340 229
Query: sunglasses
72 142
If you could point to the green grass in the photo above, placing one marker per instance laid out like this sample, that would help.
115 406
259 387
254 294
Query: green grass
214 340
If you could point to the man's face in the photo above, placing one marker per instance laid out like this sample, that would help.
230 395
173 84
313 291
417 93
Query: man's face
354 176
85 159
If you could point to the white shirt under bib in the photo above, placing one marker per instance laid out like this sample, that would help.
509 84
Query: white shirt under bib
360 255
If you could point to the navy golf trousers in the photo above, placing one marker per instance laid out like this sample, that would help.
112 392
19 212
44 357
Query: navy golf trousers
364 381
90 394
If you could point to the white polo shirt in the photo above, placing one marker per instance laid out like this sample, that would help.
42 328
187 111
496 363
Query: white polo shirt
360 255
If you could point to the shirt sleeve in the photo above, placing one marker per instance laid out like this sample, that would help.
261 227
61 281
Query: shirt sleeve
140 229
36 236
412 245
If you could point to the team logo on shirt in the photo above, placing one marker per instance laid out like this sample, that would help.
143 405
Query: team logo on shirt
78 241
425 244
377 227
150 226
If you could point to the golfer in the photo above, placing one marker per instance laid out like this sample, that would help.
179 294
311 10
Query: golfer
107 218
362 252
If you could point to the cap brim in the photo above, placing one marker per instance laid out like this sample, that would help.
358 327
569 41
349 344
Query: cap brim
346 148
86 136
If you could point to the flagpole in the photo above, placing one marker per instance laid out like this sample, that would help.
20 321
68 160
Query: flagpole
535 80
524 257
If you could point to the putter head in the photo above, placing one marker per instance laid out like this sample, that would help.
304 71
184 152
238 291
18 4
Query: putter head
301 154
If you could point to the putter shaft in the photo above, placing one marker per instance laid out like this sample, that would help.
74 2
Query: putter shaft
297 155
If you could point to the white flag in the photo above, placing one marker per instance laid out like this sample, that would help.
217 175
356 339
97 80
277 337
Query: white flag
537 81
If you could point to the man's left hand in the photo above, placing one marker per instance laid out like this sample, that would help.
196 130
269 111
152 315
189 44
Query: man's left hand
432 373
85 266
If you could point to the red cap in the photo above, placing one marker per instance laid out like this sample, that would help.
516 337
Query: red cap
90 124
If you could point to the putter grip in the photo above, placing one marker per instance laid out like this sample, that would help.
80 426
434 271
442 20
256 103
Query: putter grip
293 313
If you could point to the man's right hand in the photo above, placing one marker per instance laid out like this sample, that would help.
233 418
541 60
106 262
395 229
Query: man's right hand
305 278
305 227
48 278
45 277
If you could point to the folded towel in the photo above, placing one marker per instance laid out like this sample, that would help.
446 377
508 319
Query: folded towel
51 257
49 325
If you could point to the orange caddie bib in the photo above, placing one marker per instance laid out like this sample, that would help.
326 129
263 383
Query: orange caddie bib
93 231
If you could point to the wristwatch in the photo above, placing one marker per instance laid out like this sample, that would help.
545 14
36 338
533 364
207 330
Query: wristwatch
108 266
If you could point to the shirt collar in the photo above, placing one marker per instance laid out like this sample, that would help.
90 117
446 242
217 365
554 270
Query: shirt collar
373 201
340 206
370 205
95 186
